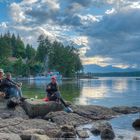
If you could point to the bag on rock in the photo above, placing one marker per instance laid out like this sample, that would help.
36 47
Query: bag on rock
13 102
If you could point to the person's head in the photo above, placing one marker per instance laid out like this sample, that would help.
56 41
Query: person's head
8 75
1 73
53 79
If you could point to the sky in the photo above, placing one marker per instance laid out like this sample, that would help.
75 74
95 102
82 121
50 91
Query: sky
106 32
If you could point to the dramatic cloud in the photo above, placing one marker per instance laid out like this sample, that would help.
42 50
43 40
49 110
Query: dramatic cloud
107 32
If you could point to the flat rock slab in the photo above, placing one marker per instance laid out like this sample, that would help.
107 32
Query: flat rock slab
94 112
9 136
36 107
61 118
19 125
126 109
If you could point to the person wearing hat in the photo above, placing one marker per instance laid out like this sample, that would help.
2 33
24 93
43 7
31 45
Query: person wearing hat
53 92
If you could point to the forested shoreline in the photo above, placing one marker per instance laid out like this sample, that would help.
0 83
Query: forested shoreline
25 60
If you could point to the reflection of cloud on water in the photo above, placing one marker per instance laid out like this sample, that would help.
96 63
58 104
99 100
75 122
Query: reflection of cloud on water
120 85
92 92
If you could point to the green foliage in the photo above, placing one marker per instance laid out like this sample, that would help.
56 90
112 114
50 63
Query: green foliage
64 59
49 56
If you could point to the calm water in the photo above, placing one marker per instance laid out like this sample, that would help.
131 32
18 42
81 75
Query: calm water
103 91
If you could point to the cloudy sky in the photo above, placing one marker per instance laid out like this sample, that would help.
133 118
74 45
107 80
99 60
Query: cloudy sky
107 32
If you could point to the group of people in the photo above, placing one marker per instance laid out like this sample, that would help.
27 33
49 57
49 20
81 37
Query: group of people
8 87
13 89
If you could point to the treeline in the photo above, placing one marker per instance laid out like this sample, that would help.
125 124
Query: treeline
24 60
115 74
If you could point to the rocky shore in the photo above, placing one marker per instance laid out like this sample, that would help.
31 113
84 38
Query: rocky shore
38 120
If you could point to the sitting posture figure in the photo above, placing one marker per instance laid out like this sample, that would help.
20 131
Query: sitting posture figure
1 79
11 88
53 92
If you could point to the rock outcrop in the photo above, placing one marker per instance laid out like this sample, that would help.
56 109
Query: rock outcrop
35 108
104 129
61 118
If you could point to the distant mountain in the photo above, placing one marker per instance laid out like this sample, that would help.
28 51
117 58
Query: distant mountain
98 69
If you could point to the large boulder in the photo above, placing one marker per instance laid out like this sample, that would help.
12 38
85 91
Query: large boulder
5 113
19 125
37 107
136 124
61 118
103 128
126 109
94 112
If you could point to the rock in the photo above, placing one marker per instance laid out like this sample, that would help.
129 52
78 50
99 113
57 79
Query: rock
126 109
19 125
94 112
100 126
9 136
27 134
136 124
36 107
103 128
107 134
5 113
82 134
67 131
61 118
39 137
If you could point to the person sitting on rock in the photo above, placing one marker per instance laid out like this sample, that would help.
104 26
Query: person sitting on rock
11 88
53 92
1 80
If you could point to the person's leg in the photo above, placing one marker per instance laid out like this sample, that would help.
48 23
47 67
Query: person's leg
61 99
19 92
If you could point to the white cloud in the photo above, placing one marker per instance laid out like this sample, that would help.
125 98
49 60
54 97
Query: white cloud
3 25
53 4
17 13
110 11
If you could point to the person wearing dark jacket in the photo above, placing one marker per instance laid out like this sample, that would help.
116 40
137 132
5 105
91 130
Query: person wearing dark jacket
53 92
11 88
1 80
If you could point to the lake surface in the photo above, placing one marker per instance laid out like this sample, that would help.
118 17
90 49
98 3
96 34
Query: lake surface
103 91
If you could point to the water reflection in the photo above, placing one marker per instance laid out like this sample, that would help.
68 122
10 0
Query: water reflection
102 91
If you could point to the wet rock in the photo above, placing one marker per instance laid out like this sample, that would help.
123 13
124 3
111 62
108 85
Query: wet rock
100 126
126 109
61 118
39 137
103 128
136 124
107 134
36 107
19 125
94 112
82 134
67 131
9 136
